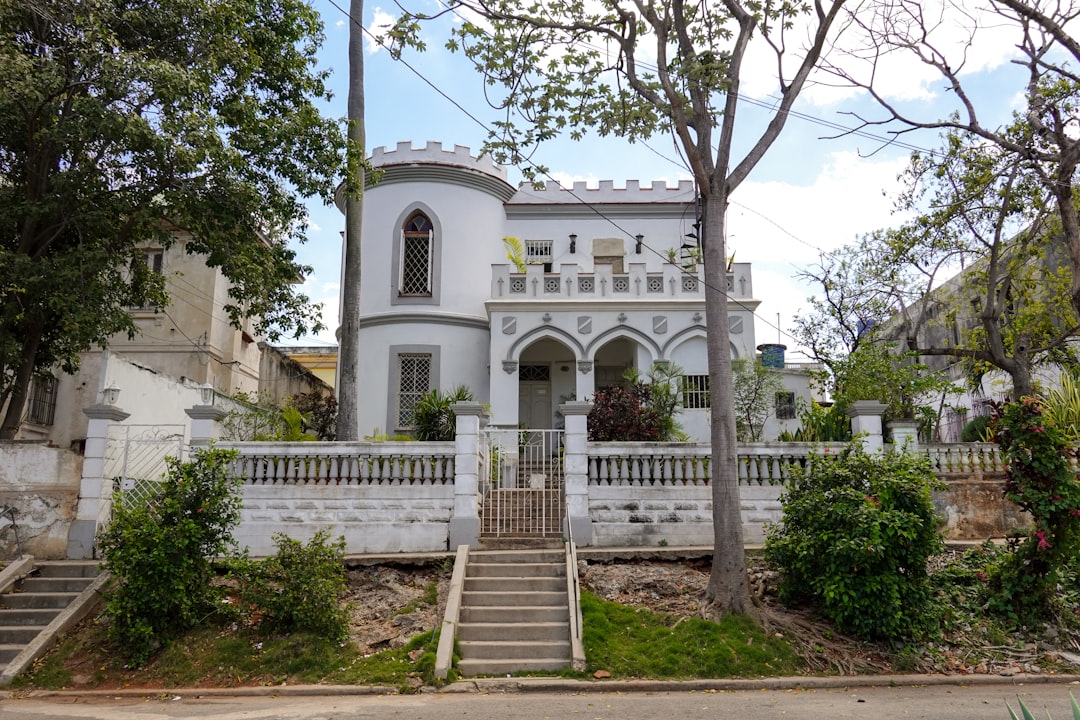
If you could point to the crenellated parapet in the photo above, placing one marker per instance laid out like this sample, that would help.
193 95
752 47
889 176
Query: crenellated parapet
552 193
434 154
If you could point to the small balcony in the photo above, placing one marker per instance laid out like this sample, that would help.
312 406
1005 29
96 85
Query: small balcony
569 281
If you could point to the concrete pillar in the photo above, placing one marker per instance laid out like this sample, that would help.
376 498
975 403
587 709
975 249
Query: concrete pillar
204 423
576 470
93 507
465 522
866 424
905 434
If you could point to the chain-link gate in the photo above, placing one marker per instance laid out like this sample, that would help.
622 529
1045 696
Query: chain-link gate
524 492
135 458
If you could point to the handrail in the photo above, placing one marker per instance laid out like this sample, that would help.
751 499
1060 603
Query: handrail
444 654
573 591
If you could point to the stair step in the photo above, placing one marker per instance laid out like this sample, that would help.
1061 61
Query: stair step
8 651
514 631
515 584
513 649
490 570
67 569
18 634
503 667
522 613
469 599
54 584
22 600
547 555
27 616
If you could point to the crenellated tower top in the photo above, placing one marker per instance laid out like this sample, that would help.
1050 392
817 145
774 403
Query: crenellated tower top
434 154
606 192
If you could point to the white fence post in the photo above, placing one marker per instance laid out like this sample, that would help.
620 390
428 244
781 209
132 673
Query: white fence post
465 522
866 424
576 470
80 545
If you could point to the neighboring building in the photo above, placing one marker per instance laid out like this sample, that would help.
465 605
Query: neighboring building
320 360
443 306
190 342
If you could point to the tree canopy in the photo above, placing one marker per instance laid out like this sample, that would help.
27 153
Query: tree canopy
123 122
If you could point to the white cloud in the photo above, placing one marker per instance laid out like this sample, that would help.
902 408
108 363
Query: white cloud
381 21
783 228
339 23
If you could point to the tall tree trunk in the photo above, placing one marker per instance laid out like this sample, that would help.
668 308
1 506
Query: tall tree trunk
348 421
728 590
17 397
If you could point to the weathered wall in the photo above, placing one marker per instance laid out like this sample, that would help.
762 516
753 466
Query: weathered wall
42 484
970 508
376 517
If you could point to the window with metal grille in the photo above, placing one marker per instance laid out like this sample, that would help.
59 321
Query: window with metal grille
416 244
414 381
41 404
785 406
695 392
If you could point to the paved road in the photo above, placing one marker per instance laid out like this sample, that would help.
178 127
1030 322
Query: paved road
984 702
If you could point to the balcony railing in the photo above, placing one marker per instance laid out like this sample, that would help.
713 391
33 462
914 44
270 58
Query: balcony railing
569 281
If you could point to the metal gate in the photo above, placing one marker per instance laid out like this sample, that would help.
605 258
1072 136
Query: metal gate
135 457
523 496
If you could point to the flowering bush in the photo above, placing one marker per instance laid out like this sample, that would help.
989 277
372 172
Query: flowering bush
1038 478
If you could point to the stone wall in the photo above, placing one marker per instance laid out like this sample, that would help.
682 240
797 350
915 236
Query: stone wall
384 517
970 508
42 484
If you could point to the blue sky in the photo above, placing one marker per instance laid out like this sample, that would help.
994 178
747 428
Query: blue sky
809 195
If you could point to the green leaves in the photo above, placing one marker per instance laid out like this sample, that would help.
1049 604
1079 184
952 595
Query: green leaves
857 532
159 553
121 123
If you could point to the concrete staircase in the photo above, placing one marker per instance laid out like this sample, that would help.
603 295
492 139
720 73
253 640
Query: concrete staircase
36 600
515 613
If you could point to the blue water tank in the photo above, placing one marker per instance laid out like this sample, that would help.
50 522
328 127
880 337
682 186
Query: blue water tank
772 355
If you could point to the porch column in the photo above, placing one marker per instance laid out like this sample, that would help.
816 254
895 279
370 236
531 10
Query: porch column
866 424
585 380
465 522
92 496
576 471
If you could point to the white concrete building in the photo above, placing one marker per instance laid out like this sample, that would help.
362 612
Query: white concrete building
611 283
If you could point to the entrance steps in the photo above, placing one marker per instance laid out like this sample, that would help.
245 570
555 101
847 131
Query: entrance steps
515 612
32 606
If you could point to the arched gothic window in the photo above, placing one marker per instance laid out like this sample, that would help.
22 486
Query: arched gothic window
417 243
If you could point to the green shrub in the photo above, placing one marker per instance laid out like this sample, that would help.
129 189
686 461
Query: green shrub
159 553
856 535
975 430
432 416
297 589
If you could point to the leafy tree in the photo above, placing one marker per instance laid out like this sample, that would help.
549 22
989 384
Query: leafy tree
125 124
1008 309
635 70
1040 141
319 413
755 397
